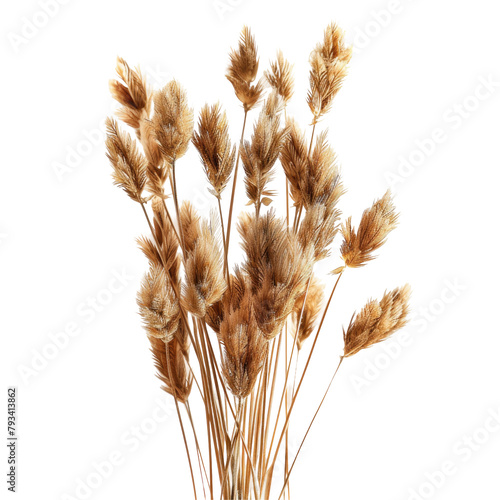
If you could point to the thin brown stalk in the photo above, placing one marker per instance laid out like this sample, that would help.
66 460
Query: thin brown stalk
233 190
309 428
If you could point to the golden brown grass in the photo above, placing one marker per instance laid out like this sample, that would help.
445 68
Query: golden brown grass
240 339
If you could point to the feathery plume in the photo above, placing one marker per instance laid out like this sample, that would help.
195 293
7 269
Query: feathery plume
260 154
172 121
132 94
376 223
280 77
242 71
129 165
328 69
190 225
245 349
377 320
179 385
308 310
158 305
205 282
278 269
214 145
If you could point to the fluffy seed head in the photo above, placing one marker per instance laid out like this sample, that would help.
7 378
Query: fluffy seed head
280 77
260 154
172 121
377 320
129 164
242 70
214 145
308 311
132 94
158 305
376 223
329 62
205 282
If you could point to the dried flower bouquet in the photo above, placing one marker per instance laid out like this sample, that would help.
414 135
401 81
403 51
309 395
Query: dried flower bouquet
231 336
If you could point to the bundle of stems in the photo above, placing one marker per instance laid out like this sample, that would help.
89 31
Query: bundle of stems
232 336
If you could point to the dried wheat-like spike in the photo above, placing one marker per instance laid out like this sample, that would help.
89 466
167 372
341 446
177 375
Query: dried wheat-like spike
132 94
318 229
242 71
158 305
172 121
322 183
129 165
245 349
214 145
294 159
314 178
179 385
280 77
278 268
377 320
329 62
376 223
166 253
190 226
238 288
205 282
260 154
308 310
157 169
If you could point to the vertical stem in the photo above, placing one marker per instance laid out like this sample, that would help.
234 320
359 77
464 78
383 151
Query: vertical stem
226 265
234 186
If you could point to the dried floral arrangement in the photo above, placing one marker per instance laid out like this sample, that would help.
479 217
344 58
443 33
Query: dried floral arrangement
232 336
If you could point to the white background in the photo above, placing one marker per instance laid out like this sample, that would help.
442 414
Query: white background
390 422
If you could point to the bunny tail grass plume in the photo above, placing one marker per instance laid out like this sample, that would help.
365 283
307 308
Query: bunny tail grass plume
165 253
376 223
280 77
308 310
190 226
245 349
243 69
158 305
205 283
377 321
179 385
260 155
129 165
329 62
278 269
132 94
294 159
172 121
214 145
